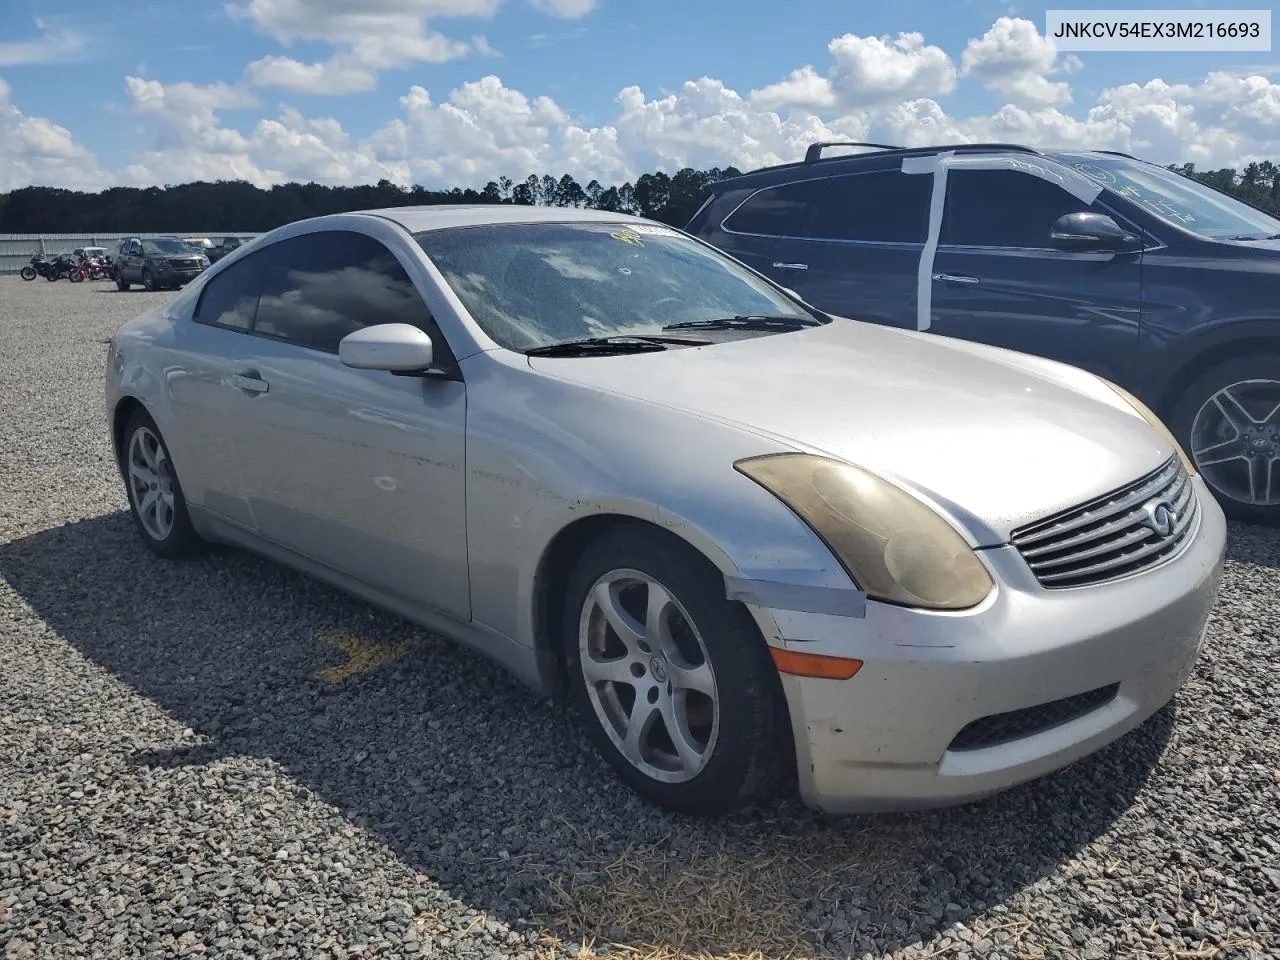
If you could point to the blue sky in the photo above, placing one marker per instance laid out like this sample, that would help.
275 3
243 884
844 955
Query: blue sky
459 91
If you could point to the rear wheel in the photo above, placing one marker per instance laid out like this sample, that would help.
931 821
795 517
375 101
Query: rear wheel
1228 420
673 681
121 282
155 496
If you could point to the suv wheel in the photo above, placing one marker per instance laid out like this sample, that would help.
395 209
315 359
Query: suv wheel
1229 422
148 281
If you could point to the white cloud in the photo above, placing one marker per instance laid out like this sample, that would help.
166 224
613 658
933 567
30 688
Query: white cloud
34 150
865 71
370 36
568 9
871 70
804 89
1013 59
48 47
341 74
193 144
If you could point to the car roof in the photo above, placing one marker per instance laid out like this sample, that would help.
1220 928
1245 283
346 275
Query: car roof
884 157
449 215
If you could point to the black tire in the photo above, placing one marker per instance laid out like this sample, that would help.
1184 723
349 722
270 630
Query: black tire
1182 421
148 281
52 276
121 283
76 276
181 539
28 273
753 754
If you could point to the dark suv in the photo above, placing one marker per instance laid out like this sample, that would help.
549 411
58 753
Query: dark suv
157 262
1158 283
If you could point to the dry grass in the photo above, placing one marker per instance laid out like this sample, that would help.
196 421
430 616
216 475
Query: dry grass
363 655
751 896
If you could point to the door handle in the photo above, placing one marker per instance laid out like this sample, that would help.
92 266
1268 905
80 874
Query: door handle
952 278
779 265
250 382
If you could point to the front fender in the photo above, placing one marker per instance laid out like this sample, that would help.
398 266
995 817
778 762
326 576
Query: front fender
543 454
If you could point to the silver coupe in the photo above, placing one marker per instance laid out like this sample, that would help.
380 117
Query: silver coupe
755 544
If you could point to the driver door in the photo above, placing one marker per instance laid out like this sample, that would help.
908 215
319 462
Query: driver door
360 470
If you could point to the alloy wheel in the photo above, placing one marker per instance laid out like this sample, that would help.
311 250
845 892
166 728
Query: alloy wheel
1235 441
648 676
151 482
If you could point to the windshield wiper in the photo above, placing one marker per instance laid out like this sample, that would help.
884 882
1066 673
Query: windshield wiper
628 343
746 322
1249 236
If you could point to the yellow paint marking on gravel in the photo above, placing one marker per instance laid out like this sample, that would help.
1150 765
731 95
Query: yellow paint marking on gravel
362 655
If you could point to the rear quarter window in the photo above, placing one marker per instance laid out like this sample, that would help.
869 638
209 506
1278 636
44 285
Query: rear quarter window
880 206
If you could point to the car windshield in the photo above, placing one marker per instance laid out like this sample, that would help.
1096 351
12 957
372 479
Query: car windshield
164 246
532 285
1178 199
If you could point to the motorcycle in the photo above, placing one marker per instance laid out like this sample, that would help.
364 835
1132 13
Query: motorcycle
95 268
67 266
38 266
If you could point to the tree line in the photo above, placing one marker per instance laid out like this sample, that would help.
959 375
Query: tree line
1258 184
236 205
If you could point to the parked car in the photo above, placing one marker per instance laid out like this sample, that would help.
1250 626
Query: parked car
198 244
1164 286
157 262
224 246
752 542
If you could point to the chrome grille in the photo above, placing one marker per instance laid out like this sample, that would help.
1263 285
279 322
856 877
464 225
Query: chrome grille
1111 537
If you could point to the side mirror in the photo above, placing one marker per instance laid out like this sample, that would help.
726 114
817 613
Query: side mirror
1091 231
396 347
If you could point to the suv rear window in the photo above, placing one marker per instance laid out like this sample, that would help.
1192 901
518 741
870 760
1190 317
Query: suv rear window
885 206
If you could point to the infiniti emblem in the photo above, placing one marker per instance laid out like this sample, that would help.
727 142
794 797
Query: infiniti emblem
1160 517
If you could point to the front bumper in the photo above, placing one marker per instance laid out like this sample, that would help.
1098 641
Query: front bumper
885 739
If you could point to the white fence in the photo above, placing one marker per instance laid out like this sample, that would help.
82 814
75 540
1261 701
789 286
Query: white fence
16 248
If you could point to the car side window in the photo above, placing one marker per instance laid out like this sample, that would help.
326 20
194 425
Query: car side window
231 298
319 287
880 206
887 206
1003 208
782 211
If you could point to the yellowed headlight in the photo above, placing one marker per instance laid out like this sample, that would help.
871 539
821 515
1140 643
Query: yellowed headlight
894 547
1157 424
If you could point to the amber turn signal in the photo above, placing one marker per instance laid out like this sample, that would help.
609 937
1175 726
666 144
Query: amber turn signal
814 664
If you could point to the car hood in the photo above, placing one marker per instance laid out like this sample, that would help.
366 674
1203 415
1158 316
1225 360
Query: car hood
995 439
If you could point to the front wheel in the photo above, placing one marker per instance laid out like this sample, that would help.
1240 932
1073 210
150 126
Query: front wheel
673 680
1228 420
156 501
148 281
76 276
28 273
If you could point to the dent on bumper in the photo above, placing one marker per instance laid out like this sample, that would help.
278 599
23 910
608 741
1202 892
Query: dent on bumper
882 739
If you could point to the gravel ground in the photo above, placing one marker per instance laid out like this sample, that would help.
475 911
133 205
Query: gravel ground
224 758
